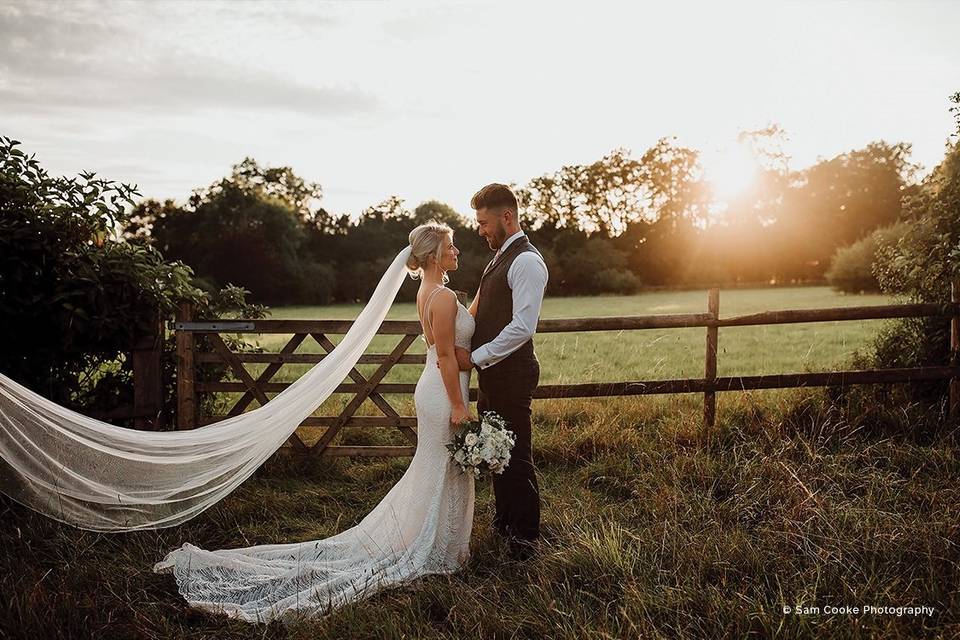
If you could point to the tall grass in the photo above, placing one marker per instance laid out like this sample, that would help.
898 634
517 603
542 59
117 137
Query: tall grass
649 530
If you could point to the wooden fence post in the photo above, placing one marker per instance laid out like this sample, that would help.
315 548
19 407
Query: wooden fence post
147 360
710 369
954 350
186 372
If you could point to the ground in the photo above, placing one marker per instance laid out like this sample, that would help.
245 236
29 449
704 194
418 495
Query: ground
650 529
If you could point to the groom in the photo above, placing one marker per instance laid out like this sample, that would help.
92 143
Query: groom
506 310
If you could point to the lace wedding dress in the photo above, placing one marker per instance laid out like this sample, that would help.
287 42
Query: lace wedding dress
421 526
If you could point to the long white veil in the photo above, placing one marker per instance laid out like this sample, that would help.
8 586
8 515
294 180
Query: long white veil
101 477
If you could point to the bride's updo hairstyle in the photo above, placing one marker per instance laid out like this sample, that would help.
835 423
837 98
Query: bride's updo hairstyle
425 241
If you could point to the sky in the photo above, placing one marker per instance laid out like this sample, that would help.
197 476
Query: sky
432 100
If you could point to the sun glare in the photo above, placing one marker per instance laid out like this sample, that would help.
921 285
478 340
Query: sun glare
730 171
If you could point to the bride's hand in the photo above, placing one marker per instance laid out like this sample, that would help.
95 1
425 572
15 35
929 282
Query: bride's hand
463 359
459 415
464 363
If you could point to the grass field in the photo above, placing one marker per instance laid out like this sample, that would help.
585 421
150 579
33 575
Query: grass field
649 531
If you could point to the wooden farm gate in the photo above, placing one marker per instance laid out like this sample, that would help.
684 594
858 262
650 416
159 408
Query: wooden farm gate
362 387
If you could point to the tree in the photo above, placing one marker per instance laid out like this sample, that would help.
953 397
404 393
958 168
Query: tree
278 183
72 297
674 185
439 211
600 197
920 266
839 201
248 229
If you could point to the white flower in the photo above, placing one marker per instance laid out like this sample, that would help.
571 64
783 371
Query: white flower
471 439
489 450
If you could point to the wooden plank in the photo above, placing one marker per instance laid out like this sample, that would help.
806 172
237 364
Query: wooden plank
266 374
366 422
683 385
147 362
215 326
744 383
367 451
388 327
276 387
308 358
186 372
248 381
622 323
835 378
364 391
710 364
878 312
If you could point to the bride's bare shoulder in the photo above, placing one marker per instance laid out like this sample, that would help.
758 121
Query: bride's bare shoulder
445 298
441 299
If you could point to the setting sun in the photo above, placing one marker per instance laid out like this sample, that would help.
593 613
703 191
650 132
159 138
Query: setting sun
730 171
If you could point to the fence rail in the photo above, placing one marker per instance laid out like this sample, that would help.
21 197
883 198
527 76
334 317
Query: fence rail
373 388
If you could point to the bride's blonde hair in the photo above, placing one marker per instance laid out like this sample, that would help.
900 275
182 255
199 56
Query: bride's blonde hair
427 240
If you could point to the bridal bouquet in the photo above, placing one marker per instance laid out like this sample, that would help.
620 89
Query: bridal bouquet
483 446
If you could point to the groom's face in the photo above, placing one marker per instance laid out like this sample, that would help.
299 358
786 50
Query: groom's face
490 227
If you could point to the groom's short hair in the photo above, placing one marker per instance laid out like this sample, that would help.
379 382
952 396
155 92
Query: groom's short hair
495 195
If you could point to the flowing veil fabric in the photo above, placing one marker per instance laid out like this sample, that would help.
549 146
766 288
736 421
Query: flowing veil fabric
101 477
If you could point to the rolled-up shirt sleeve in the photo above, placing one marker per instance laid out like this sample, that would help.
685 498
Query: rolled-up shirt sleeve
527 278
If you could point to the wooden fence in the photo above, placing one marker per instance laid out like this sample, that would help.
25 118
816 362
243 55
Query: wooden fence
362 387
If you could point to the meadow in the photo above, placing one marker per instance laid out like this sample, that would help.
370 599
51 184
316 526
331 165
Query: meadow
649 530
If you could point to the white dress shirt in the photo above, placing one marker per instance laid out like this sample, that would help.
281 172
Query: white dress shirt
527 279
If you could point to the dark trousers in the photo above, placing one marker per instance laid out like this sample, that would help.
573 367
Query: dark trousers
508 392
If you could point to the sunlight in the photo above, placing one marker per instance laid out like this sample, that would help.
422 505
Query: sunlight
730 171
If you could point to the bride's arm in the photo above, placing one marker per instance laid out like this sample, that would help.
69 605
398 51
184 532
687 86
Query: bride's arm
443 317
463 355
473 305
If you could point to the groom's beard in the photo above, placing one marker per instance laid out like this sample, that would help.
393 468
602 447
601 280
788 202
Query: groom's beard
498 240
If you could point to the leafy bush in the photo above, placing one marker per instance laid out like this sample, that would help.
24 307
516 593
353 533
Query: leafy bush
919 268
582 264
72 296
851 269
616 281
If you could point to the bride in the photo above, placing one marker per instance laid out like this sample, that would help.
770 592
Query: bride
421 526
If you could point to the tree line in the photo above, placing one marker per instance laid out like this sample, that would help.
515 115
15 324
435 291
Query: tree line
612 226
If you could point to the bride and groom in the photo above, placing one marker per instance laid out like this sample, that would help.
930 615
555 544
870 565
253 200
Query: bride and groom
423 524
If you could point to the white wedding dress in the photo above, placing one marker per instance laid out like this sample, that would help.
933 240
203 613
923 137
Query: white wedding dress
422 526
